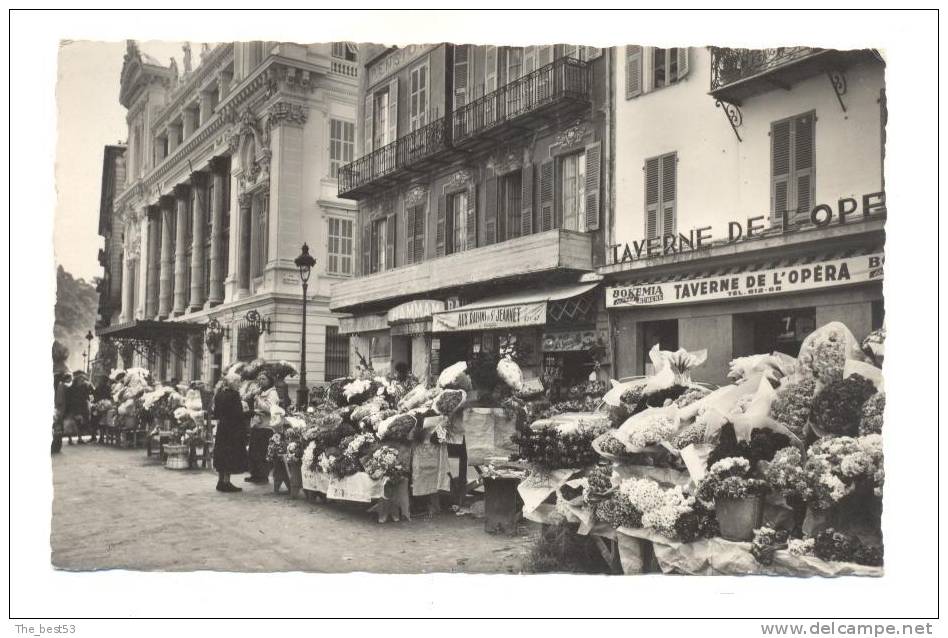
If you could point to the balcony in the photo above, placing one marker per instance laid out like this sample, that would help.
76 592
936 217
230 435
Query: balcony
555 89
381 168
546 252
737 74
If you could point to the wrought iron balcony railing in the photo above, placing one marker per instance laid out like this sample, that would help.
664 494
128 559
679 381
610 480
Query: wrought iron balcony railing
562 80
405 152
729 66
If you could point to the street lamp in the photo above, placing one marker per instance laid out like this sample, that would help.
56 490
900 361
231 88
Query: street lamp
89 339
305 263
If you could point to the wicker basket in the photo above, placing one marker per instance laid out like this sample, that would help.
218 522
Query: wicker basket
176 457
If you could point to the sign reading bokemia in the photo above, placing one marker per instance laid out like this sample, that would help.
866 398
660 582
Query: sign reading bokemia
799 277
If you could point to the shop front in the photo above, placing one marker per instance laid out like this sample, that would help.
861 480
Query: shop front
744 307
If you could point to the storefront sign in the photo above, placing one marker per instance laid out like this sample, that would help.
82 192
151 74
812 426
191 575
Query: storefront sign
511 316
415 310
796 278
845 210
571 341
362 323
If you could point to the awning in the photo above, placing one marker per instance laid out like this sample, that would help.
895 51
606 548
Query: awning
362 323
797 273
150 330
511 310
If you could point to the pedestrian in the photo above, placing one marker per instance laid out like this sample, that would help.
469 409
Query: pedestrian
266 417
230 456
78 397
59 412
103 392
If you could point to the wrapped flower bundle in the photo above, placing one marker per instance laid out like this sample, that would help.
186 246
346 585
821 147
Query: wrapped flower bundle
661 508
559 446
455 377
413 398
689 396
598 483
336 391
793 403
786 476
510 373
648 432
367 409
837 409
836 546
730 478
617 511
448 401
691 435
398 427
874 346
824 352
872 413
385 462
372 422
276 448
766 543
359 391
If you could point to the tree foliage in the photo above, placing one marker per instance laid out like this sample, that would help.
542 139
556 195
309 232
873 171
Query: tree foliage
76 307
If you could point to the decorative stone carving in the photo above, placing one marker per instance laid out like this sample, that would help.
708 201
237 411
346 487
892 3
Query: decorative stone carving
460 179
416 195
286 112
575 134
505 160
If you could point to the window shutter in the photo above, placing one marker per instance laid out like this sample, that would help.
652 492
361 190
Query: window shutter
683 55
421 218
366 245
526 199
439 235
490 211
593 157
461 60
490 69
471 218
410 234
367 130
592 53
803 163
651 197
633 71
779 168
546 195
529 59
391 232
545 55
669 192
393 110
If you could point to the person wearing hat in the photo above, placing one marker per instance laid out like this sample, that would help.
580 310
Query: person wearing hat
230 455
78 396
60 381
265 420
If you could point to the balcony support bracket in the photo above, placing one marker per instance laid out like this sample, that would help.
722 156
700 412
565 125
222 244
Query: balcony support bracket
734 116
838 81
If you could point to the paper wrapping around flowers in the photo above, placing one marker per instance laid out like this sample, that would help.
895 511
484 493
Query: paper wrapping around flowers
487 433
429 469
665 476
613 397
537 487
631 425
719 557
867 370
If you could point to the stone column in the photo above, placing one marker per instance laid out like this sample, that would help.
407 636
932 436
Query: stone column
219 168
243 247
181 193
166 273
128 313
198 220
153 262
174 137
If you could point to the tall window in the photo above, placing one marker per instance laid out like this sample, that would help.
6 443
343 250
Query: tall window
341 145
379 242
573 191
188 246
510 203
225 227
340 246
208 228
133 282
380 122
418 91
415 217
661 188
337 354
792 163
458 220
650 68
462 54
345 51
261 235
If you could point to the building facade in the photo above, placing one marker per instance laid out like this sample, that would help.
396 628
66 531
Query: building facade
482 185
230 166
749 200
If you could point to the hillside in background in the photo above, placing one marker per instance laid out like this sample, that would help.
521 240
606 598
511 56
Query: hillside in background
76 306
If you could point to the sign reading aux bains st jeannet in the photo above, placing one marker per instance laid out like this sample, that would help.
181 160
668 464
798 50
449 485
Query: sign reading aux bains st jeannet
509 316
755 283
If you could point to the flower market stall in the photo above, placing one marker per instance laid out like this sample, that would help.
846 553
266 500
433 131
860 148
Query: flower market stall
780 472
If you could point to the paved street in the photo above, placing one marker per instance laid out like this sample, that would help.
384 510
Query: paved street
116 509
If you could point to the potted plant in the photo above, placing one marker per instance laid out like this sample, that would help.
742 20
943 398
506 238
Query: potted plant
738 499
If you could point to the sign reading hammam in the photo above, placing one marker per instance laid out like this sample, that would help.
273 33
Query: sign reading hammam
509 316
754 283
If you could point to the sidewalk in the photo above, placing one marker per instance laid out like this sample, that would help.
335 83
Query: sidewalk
117 509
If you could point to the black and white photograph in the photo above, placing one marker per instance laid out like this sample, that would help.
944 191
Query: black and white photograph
438 304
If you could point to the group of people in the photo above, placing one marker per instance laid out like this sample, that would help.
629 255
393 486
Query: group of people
73 417
245 426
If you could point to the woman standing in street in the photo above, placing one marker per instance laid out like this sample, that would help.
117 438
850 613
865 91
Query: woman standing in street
267 416
230 456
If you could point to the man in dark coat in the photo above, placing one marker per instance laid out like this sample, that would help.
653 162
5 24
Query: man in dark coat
230 455
78 396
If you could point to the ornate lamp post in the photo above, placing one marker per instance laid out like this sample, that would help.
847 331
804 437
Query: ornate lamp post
89 339
305 263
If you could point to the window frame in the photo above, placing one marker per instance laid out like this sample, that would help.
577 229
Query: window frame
793 171
379 241
420 117
344 145
339 255
335 355
453 230
580 196
659 222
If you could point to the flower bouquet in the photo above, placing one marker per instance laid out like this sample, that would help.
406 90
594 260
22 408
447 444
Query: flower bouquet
824 352
397 428
837 408
737 498
385 462
553 445
668 511
791 407
872 413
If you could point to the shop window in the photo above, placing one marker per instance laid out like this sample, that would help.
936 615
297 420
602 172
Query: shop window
573 191
661 192
792 164
878 314
458 220
777 331
337 354
661 333
341 145
511 197
339 257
